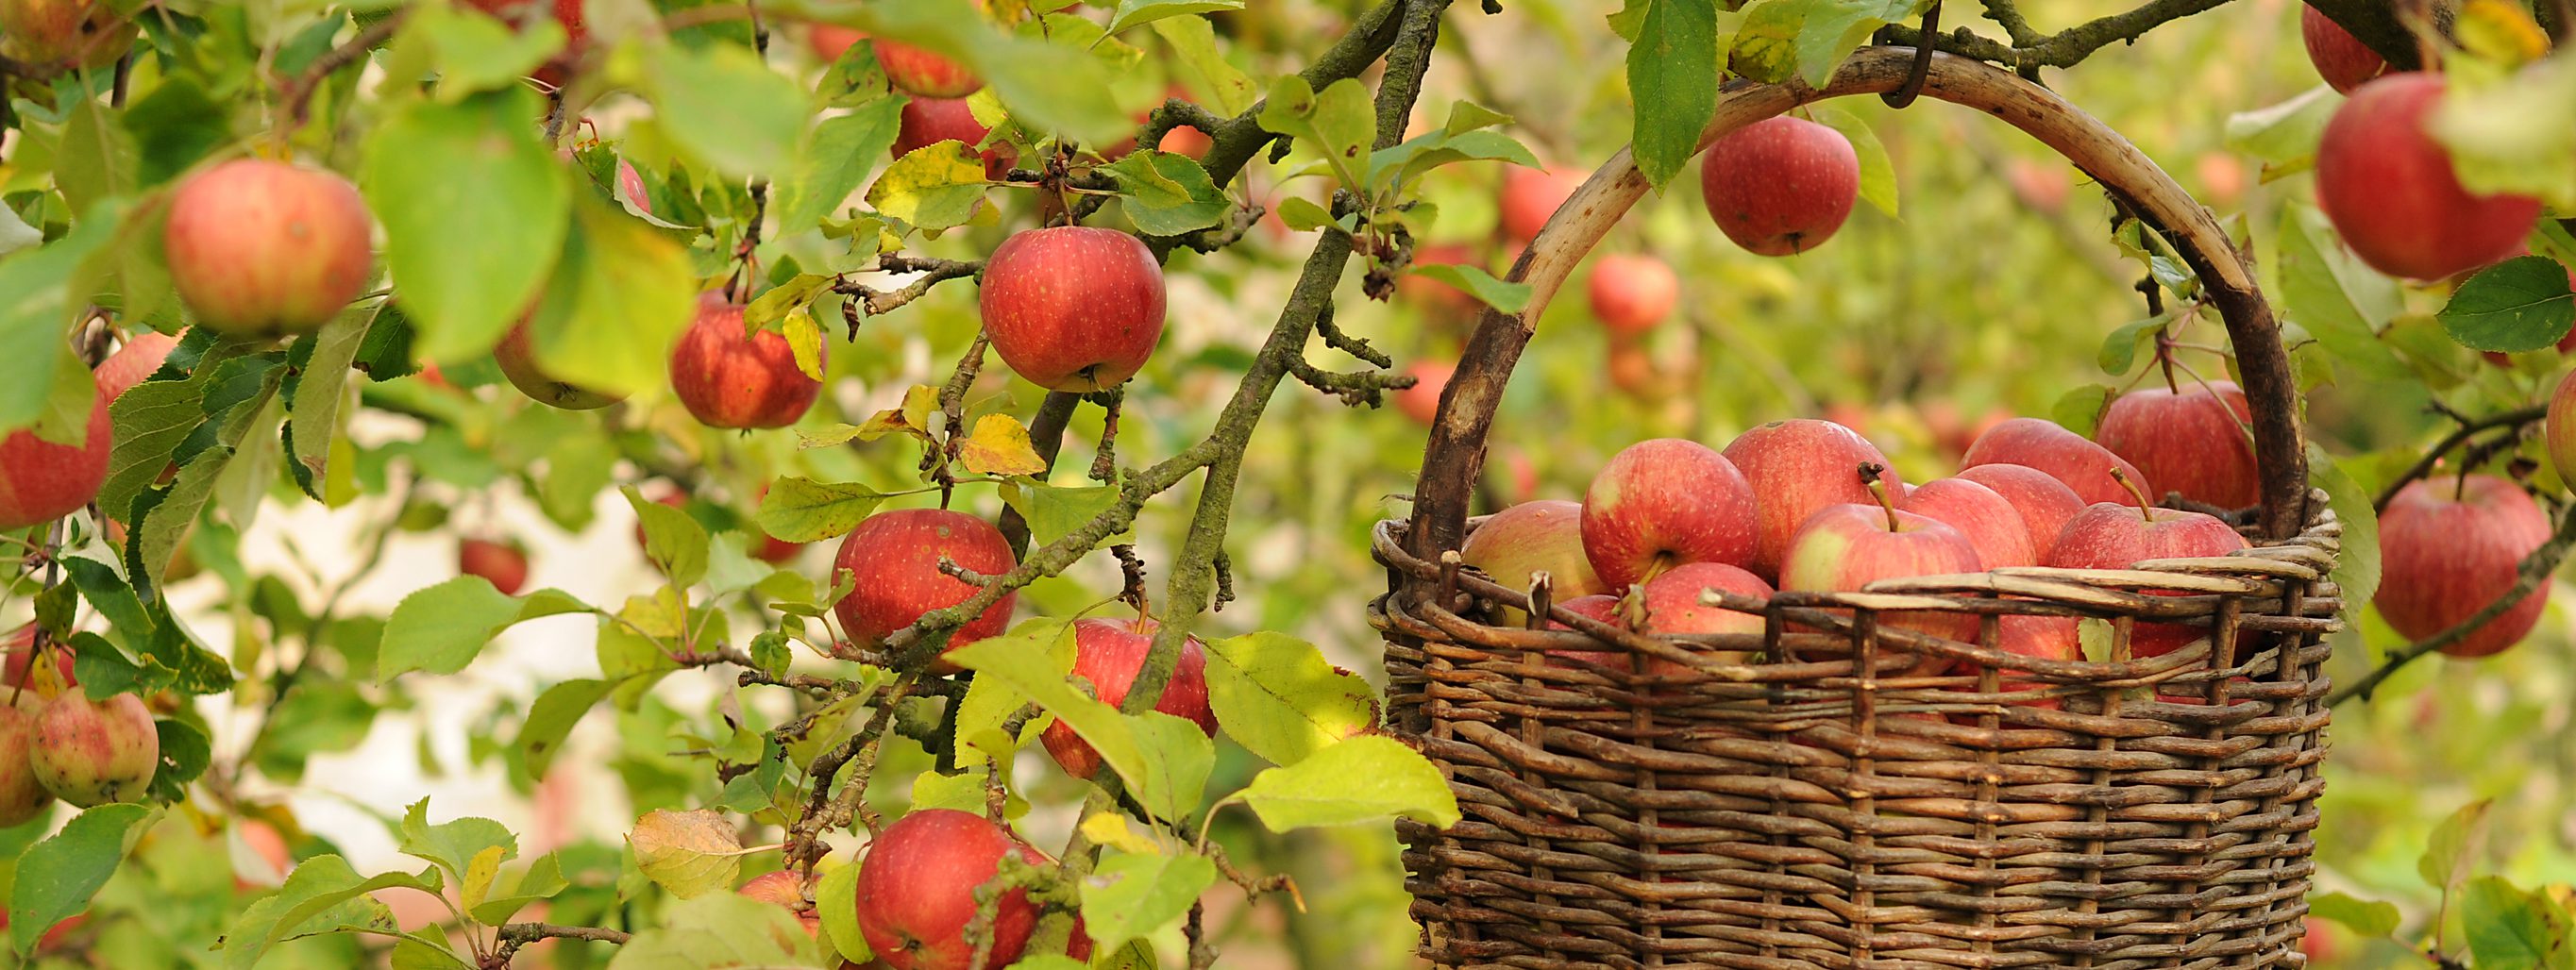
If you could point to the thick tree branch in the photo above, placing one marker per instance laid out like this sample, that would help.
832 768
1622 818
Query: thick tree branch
1046 434
515 935
2535 570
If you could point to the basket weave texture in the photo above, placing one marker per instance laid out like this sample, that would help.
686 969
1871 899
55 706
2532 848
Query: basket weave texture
1821 807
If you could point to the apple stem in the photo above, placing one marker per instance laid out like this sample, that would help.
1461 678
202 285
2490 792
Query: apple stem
1869 472
2146 509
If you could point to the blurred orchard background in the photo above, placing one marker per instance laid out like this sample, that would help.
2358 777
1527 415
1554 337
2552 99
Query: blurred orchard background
1989 291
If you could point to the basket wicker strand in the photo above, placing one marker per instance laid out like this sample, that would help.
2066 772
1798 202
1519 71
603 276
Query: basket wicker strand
1807 797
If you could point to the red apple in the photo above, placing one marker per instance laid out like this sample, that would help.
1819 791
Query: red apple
2559 430
1991 523
1186 140
773 550
2340 58
1631 294
1109 653
2112 535
2222 179
22 798
784 890
2448 547
1780 186
2391 192
269 844
18 652
1421 402
504 564
1664 502
924 74
1632 370
133 363
2084 466
928 121
41 481
1530 196
916 892
827 41
1514 545
63 33
1672 603
731 381
1073 308
1845 547
516 356
2041 185
94 752
1603 608
260 248
895 557
1796 467
2191 442
2044 502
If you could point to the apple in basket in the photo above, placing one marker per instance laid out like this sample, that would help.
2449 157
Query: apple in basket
2066 456
1797 467
2108 535
1520 542
1845 547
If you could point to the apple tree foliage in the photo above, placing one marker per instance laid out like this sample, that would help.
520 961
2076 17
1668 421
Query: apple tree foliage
493 158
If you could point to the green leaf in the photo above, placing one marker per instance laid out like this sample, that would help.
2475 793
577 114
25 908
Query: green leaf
1167 194
719 930
1305 215
321 894
1808 39
990 701
551 719
834 160
2495 142
1053 511
2080 410
1475 282
1133 13
1337 122
37 307
2517 305
721 104
2509 929
1367 779
936 186
619 296
98 156
1673 72
2330 293
1877 173
773 304
1149 751
439 629
1203 68
2446 854
543 880
2120 350
1278 697
453 844
185 754
836 900
57 877
675 543
2356 572
2283 134
689 854
1133 893
1050 86
798 509
173 127
475 210
314 408
2367 918
475 52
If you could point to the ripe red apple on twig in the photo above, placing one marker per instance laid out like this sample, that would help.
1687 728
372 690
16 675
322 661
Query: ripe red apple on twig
41 481
1780 186
895 558
1109 653
1530 196
94 752
921 73
2340 58
2450 546
260 248
916 893
2392 194
1073 308
503 563
63 33
133 363
516 356
1630 294
22 796
923 122
729 380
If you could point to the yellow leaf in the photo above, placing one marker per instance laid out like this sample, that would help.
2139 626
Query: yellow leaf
2501 31
1111 829
1000 446
913 418
805 340
479 874
689 853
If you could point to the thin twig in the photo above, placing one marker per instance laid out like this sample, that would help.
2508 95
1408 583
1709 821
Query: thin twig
2468 428
299 92
515 935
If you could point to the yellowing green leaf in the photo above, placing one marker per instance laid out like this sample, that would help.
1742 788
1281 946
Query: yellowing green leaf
1000 446
688 853
935 186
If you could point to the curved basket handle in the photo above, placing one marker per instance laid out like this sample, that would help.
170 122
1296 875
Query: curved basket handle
1455 456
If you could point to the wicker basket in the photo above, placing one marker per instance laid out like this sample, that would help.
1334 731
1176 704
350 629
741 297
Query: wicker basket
1820 806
